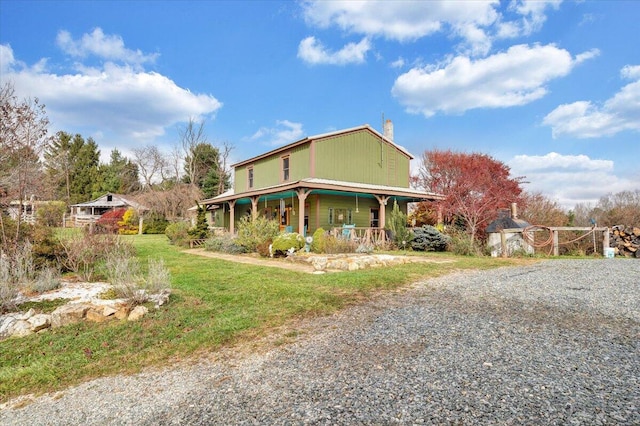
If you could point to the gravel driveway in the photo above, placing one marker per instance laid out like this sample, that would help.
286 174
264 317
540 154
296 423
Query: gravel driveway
552 343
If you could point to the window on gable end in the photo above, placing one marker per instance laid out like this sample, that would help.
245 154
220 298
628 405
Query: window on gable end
250 177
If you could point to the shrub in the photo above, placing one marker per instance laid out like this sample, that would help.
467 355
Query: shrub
335 245
46 249
319 238
225 243
51 213
398 226
124 273
154 223
461 243
264 248
364 248
8 288
47 279
201 229
254 232
158 277
129 225
428 238
108 222
178 233
84 253
287 241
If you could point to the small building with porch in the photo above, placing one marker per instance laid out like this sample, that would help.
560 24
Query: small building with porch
88 213
347 179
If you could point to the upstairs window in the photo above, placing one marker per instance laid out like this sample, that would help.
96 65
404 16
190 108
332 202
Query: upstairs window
285 168
250 177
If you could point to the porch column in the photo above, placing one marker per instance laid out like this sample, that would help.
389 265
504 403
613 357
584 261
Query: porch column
254 206
232 219
302 196
383 211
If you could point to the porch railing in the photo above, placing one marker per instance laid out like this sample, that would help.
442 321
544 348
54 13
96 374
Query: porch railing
362 235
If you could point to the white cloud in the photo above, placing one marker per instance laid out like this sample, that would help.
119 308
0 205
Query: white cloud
284 133
475 23
515 77
555 161
109 47
533 13
584 119
394 20
569 179
119 101
398 63
630 72
314 52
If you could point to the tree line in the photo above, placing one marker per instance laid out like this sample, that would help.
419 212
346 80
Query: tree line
67 167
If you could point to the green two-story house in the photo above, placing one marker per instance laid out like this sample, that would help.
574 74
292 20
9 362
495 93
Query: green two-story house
344 179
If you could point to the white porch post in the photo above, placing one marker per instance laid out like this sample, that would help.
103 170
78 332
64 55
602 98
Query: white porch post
302 196
232 219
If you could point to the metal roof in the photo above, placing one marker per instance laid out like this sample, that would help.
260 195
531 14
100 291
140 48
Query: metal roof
116 201
326 186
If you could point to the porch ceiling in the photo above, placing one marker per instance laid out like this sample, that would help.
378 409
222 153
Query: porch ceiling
324 187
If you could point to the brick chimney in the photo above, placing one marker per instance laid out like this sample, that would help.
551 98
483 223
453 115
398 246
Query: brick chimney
388 130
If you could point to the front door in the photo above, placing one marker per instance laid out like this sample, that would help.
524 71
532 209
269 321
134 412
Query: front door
285 216
374 218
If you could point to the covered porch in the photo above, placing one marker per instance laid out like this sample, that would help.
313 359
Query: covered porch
359 210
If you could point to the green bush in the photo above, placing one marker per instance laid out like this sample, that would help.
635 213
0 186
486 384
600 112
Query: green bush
255 232
461 243
178 233
51 213
154 223
319 238
283 243
398 226
201 229
428 238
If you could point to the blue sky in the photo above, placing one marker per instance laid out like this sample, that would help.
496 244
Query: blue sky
551 88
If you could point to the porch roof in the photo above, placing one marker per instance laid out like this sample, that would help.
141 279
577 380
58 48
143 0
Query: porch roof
325 186
115 202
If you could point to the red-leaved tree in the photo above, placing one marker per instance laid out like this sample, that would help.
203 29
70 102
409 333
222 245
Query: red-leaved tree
475 186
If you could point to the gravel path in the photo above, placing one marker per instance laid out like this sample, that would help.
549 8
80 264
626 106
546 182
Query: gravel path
557 342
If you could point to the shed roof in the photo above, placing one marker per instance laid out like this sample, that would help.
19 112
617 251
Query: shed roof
506 222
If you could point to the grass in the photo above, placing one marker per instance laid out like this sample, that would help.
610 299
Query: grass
214 303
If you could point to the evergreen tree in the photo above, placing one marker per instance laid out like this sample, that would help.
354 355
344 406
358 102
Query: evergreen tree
202 168
86 159
119 176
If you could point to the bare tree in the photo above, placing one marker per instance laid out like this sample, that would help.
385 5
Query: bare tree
223 165
23 138
151 163
172 203
191 136
173 170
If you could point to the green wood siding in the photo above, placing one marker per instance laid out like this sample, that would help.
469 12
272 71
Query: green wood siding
318 217
268 171
361 157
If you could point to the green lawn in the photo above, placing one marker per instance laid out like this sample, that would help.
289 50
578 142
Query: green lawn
213 303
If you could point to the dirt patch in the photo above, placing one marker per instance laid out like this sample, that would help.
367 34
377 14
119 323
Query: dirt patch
254 260
300 265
